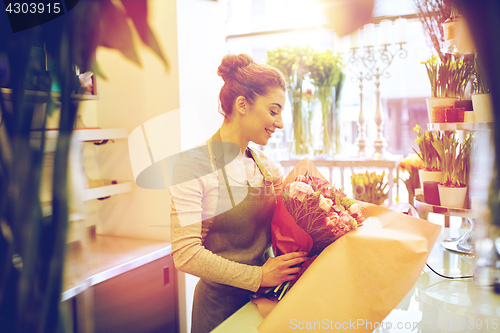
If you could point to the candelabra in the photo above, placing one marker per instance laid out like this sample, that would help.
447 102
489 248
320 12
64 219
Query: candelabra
374 65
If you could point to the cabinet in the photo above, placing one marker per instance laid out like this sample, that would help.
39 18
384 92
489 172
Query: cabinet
142 300
129 285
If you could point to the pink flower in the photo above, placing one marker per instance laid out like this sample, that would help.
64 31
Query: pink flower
301 178
300 190
331 219
342 227
326 190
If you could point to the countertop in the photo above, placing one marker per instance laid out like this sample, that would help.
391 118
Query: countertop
105 257
434 304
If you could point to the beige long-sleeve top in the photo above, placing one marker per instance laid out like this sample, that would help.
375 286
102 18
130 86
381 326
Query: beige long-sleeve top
194 204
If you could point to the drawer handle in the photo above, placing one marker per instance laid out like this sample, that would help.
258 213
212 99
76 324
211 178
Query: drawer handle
166 275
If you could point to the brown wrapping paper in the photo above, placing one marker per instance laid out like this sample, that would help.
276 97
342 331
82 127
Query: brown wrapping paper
360 278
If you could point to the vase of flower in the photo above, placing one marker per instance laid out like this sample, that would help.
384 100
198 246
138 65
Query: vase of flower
325 73
294 63
326 96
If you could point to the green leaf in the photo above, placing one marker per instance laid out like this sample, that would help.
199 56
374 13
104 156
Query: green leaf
116 32
138 11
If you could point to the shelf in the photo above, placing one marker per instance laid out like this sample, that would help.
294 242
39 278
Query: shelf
448 211
91 134
47 211
34 96
106 191
100 134
459 126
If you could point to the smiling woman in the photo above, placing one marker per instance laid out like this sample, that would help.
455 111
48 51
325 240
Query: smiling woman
221 220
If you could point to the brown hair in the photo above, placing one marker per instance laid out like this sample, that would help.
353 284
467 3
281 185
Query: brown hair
243 77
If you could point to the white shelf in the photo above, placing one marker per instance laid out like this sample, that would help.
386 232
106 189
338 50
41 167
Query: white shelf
35 96
80 135
105 191
47 211
459 126
448 211
100 134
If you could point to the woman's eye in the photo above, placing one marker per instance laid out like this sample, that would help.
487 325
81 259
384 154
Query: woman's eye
274 113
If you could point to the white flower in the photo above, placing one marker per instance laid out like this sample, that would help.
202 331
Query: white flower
324 203
354 209
300 190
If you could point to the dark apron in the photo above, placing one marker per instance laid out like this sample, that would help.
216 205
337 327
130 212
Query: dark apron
241 233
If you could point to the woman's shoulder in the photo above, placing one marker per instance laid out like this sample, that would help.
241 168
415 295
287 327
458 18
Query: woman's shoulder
273 167
190 164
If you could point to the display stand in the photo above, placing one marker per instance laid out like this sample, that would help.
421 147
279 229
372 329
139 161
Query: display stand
463 244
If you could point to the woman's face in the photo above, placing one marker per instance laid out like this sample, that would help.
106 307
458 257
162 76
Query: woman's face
264 116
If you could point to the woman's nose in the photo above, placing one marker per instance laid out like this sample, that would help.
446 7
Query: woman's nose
278 122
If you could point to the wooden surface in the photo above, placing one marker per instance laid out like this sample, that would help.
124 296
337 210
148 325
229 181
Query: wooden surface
106 257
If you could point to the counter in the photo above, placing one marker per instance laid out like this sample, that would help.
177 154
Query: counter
105 257
434 304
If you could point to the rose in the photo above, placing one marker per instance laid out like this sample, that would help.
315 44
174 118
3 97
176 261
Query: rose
331 219
300 190
324 203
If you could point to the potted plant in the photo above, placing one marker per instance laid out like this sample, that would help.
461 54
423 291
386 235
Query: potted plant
448 78
427 152
370 187
411 164
455 167
481 98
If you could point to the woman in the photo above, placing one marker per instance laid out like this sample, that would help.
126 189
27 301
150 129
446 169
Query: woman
225 242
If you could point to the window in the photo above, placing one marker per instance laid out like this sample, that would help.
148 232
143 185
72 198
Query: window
255 26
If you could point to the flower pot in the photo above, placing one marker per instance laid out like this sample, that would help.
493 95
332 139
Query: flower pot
428 176
453 197
436 101
438 113
454 115
431 193
464 103
483 110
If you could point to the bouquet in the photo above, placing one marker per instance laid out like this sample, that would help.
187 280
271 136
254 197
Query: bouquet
310 215
363 274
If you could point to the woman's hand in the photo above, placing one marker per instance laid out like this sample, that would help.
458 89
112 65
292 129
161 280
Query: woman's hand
278 269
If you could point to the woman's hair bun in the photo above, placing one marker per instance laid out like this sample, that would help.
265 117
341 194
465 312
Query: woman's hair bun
231 63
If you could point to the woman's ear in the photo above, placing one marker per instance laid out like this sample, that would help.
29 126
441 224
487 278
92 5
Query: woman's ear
241 105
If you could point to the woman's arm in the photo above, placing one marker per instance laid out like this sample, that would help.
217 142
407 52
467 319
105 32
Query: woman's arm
188 252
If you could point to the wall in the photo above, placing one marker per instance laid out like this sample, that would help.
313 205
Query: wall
201 46
192 34
130 96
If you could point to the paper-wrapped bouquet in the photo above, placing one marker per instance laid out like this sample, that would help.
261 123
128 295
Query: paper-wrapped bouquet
359 278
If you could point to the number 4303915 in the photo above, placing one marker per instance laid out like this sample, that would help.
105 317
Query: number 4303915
33 8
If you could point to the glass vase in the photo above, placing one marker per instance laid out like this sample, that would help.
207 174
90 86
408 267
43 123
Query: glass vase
330 120
299 118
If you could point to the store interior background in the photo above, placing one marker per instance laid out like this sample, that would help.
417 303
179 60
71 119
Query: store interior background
195 35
